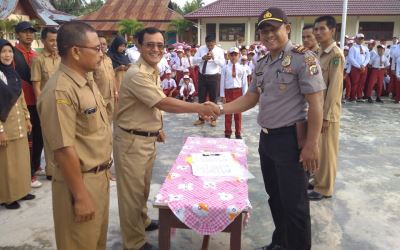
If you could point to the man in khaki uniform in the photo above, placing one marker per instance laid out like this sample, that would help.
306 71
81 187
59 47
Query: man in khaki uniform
42 68
332 64
309 40
138 126
104 77
76 124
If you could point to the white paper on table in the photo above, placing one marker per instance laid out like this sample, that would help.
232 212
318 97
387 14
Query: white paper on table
217 164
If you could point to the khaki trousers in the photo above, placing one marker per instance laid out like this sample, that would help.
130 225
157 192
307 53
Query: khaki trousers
134 157
324 179
90 235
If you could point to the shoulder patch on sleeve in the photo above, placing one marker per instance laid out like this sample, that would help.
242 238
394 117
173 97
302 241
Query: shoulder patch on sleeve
299 49
335 60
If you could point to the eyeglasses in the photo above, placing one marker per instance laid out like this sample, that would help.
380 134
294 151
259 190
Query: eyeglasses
95 48
159 46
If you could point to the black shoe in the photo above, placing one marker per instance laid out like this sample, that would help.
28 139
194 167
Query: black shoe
153 226
49 177
28 197
315 196
228 136
238 136
310 186
360 100
13 205
148 246
370 100
379 100
271 246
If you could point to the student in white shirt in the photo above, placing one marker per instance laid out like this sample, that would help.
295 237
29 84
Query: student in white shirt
346 75
359 58
133 54
397 81
185 72
233 85
180 63
211 59
187 90
169 85
379 62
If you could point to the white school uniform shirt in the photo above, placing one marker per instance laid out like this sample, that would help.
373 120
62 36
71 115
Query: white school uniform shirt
168 83
376 61
394 54
372 53
190 86
133 54
347 65
178 66
213 65
181 81
398 67
356 58
163 66
230 82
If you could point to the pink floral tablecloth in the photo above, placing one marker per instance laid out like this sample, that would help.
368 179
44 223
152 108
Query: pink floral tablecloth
205 204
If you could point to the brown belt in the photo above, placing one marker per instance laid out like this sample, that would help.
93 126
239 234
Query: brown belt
101 167
141 133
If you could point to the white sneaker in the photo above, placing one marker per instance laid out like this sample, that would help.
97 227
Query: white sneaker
36 184
40 172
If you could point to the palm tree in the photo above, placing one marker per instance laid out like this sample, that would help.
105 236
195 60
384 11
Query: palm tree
129 26
192 6
180 26
7 27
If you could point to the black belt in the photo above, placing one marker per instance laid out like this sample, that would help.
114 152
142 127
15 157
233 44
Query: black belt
101 167
378 68
282 130
141 133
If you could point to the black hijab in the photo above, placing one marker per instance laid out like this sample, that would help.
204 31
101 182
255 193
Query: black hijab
116 57
10 92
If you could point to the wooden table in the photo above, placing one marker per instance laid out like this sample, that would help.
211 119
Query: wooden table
168 220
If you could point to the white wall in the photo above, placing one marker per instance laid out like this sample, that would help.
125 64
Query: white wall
297 25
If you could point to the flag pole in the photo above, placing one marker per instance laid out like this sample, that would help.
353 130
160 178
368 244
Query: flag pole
344 21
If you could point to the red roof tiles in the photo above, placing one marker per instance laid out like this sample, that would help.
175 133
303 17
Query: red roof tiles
153 13
252 8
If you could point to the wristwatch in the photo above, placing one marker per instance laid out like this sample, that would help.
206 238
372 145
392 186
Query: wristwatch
221 109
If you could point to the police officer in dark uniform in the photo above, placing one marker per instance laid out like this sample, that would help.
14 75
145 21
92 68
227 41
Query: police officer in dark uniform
288 85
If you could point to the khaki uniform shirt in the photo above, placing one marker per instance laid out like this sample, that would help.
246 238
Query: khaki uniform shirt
282 83
75 116
104 77
139 92
316 49
43 67
15 125
332 64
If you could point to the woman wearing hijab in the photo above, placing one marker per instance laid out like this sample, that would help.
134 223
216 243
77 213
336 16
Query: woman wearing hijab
119 60
15 180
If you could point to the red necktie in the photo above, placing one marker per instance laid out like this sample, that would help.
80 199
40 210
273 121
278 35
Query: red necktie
233 70
361 50
180 61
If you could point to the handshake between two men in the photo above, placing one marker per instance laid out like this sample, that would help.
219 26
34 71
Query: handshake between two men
209 111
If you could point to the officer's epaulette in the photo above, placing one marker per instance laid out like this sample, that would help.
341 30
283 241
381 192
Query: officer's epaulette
299 49
266 54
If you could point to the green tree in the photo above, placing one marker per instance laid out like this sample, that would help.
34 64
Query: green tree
7 28
129 26
77 7
176 7
191 6
180 26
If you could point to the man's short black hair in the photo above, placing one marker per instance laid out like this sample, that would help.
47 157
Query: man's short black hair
210 38
308 26
150 30
330 21
71 34
47 30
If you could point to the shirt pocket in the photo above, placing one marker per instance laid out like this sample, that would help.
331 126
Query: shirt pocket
284 82
90 120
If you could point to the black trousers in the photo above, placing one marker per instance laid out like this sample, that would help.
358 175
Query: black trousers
208 85
286 184
36 139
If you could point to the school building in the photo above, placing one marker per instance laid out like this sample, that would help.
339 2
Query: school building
234 20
